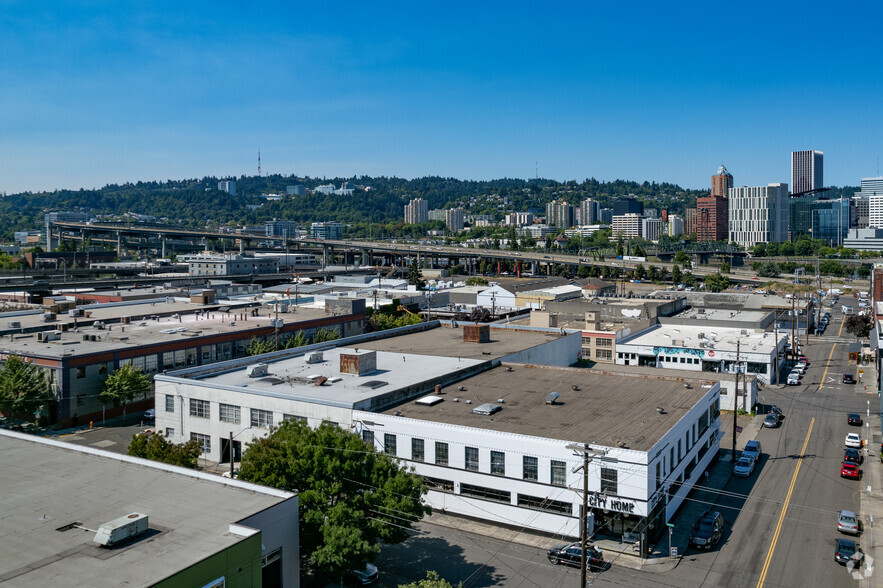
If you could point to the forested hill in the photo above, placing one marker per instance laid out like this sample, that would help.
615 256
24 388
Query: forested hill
197 202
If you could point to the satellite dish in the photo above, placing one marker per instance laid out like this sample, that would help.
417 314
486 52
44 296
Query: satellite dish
551 397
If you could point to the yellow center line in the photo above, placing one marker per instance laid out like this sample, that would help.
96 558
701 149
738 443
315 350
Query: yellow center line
769 556
830 355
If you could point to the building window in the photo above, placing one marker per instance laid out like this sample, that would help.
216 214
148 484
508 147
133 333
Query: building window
558 473
530 468
587 340
204 442
199 408
417 449
438 484
170 403
81 400
680 455
170 432
262 419
102 369
671 458
498 463
485 493
294 417
472 458
658 473
599 342
608 481
441 453
368 437
603 354
230 413
81 372
537 503
389 443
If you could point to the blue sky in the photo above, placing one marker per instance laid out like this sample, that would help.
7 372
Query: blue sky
100 92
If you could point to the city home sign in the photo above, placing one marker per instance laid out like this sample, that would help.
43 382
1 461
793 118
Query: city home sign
673 350
624 506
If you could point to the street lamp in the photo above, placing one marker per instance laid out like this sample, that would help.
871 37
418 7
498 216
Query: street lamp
232 453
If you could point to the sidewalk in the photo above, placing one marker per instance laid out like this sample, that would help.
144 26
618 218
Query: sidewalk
871 509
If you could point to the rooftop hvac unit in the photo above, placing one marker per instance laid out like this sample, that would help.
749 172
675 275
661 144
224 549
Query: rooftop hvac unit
121 529
486 409
44 336
14 324
257 370
316 357
48 317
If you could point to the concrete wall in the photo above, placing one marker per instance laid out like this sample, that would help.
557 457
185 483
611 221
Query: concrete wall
560 351
279 527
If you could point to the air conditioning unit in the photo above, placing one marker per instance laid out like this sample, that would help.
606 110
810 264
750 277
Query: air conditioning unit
122 529
14 324
45 336
256 371
316 357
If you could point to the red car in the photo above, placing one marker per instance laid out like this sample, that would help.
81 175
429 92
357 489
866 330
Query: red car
849 470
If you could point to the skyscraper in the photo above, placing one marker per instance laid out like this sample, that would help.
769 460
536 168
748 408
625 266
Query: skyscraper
589 212
627 206
416 211
806 171
454 219
560 214
759 214
721 182
712 218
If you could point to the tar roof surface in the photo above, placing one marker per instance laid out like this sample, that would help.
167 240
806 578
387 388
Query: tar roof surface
448 342
606 410
44 487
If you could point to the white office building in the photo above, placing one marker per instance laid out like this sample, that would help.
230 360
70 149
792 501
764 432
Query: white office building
227 186
806 171
652 228
675 225
627 225
758 214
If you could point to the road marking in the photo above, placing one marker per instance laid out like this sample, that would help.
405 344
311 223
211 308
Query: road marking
769 556
830 355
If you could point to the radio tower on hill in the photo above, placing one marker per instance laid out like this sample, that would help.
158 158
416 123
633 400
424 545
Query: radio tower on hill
259 162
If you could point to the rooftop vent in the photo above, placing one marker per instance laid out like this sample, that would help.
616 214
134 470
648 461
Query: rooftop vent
487 409
256 370
316 357
121 529
373 384
430 400
551 397
660 410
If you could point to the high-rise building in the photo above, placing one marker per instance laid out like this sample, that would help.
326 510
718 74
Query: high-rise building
280 228
627 206
758 214
675 225
326 230
806 171
831 220
721 182
416 211
438 214
589 212
606 216
454 219
560 214
651 228
690 221
627 225
518 219
228 186
872 186
861 210
295 190
712 218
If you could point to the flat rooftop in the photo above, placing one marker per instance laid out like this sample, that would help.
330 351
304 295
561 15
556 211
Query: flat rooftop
294 378
47 484
606 410
722 314
717 338
448 342
142 330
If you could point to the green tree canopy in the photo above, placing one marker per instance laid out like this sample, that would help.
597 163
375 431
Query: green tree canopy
768 270
415 278
859 325
24 387
716 282
432 580
124 385
676 275
351 497
156 447
476 281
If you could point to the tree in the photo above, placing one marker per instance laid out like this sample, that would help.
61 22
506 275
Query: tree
768 270
298 340
859 325
725 267
786 249
759 250
257 346
676 274
351 497
156 447
804 247
476 281
583 272
716 282
640 272
682 258
772 249
24 387
415 278
432 580
124 385
323 335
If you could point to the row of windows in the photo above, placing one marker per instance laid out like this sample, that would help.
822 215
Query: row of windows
496 495
228 413
529 464
690 360
599 341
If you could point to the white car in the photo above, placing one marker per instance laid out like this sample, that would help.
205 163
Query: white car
793 379
744 467
853 440
799 368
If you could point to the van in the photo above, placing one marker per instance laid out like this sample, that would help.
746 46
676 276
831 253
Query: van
847 310
752 450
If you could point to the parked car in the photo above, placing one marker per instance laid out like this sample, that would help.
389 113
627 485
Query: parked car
854 419
845 550
772 421
150 414
362 577
571 555
707 530
853 440
853 456
793 379
744 467
799 368
850 470
848 379
752 450
803 359
847 522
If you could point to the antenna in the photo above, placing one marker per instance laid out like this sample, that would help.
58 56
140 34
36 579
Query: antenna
537 170
259 161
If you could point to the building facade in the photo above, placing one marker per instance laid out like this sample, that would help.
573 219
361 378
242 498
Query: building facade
712 217
228 186
328 230
758 214
721 182
690 221
589 212
806 171
627 225
231 265
651 229
675 225
560 214
416 211
454 219
627 206
280 228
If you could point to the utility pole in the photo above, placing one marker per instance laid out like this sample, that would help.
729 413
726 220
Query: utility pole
793 319
735 398
588 454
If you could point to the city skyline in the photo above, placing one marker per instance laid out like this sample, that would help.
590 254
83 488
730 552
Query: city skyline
118 92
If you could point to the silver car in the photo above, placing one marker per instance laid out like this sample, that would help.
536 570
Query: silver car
744 467
847 522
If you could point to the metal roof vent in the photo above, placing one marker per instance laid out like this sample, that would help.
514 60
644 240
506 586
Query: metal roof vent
122 529
551 397
487 409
